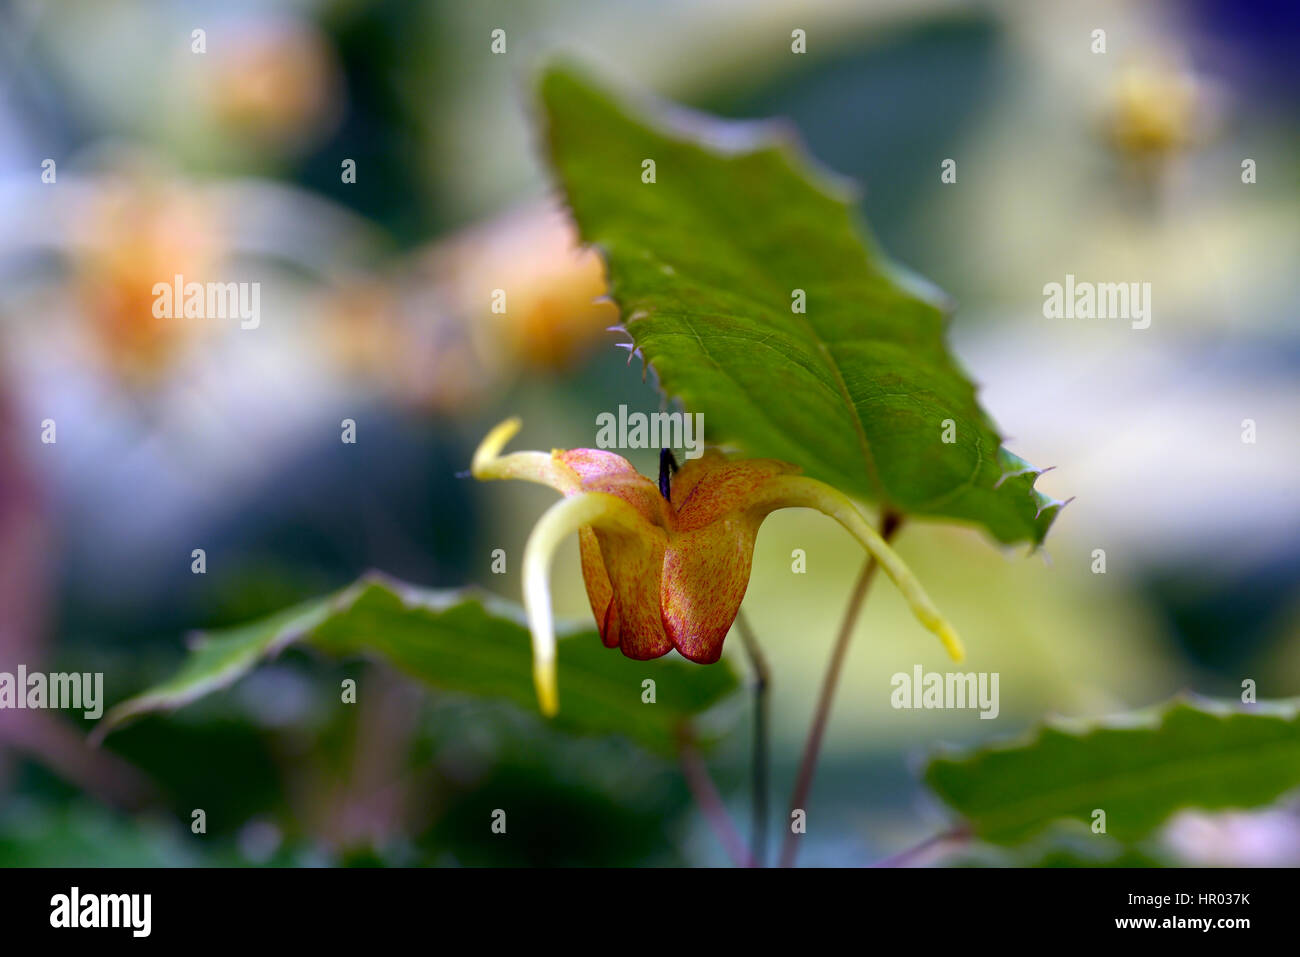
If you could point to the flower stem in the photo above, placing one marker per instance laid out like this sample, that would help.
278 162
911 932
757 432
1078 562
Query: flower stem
889 524
762 679
906 857
710 802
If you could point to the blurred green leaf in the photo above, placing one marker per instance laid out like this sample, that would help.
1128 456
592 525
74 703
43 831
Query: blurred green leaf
81 834
703 264
588 801
460 640
1139 771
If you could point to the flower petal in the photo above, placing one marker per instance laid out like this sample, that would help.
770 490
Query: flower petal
705 575
600 471
609 516
707 489
599 591
489 463
798 491
634 563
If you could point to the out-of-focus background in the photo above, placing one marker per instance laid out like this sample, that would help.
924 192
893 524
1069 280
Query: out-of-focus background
176 434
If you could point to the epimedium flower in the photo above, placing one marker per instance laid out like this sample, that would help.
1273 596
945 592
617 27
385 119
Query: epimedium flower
666 566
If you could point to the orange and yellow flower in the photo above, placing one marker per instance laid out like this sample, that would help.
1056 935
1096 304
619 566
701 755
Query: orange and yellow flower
666 566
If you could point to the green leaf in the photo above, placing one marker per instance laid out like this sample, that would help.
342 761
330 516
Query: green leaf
703 264
85 834
460 640
1139 772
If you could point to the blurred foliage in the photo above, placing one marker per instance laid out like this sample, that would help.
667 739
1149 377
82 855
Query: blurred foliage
1137 769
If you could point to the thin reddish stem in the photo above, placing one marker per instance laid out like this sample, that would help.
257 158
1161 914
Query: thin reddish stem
710 803
889 525
759 784
905 858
